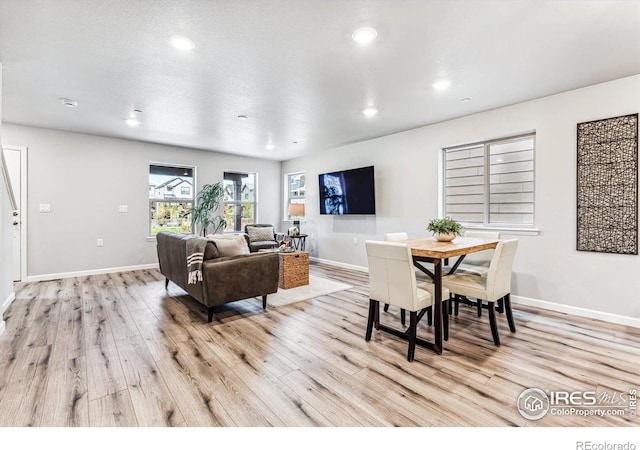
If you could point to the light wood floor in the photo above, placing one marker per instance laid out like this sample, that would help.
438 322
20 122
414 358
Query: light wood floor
118 350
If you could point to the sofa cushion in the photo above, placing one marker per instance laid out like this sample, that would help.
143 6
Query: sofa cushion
259 234
211 251
230 244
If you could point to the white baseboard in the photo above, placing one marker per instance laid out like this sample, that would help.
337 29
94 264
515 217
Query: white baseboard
6 303
56 276
557 307
3 308
577 311
339 264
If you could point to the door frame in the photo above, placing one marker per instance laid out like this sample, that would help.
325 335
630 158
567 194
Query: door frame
23 206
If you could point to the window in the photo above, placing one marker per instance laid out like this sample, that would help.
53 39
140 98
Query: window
240 195
491 183
170 197
294 193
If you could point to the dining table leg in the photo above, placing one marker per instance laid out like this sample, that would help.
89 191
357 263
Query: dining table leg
437 302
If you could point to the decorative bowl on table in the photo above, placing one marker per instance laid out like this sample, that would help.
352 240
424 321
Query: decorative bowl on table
445 237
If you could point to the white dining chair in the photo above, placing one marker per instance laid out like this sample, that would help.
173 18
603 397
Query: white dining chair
402 236
489 288
392 280
420 276
476 263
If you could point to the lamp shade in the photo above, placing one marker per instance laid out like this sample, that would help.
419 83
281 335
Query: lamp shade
296 209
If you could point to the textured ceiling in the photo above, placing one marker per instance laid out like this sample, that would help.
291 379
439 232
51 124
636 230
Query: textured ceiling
292 67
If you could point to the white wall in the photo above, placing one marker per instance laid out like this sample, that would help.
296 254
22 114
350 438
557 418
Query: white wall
547 266
85 178
6 277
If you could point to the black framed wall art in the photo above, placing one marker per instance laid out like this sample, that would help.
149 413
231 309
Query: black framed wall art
607 185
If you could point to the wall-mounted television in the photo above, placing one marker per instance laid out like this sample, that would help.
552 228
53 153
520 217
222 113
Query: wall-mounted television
348 192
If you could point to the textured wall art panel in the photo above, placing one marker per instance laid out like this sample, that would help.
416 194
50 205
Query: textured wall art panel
608 185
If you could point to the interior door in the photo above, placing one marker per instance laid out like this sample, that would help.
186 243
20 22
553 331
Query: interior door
13 158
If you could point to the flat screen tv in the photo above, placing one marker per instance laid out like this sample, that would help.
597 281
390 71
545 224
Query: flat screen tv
348 192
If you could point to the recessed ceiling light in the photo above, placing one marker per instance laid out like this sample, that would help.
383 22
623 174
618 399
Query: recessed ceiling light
370 111
364 35
270 146
182 43
465 100
132 122
242 117
69 103
442 84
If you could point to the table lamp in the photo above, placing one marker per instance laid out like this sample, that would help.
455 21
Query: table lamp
296 210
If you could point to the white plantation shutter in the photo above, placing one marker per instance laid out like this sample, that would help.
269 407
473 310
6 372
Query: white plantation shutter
511 182
464 188
491 183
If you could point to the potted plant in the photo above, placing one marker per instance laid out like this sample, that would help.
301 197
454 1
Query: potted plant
207 202
445 229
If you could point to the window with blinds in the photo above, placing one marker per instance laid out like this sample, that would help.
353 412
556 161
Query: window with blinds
491 183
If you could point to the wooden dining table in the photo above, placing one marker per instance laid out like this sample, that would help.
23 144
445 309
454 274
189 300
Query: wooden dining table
433 251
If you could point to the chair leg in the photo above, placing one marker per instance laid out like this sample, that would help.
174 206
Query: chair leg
507 307
210 314
500 306
429 314
457 305
413 326
403 317
264 302
445 320
386 307
492 322
373 306
376 319
479 306
166 283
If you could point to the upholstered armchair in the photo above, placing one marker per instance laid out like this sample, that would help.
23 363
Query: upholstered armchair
260 236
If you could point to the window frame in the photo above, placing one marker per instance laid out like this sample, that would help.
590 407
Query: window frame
241 202
287 196
150 200
528 228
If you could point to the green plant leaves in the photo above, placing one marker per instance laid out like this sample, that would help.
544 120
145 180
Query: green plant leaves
446 225
207 202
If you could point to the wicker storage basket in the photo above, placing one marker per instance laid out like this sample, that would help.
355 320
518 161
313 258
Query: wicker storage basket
294 269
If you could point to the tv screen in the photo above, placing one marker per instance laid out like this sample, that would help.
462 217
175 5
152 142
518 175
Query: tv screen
348 192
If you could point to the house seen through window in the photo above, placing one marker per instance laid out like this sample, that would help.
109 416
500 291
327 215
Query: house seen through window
295 193
240 200
171 194
491 183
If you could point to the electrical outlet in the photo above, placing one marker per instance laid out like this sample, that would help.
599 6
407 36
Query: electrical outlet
100 242
45 208
355 241
123 208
